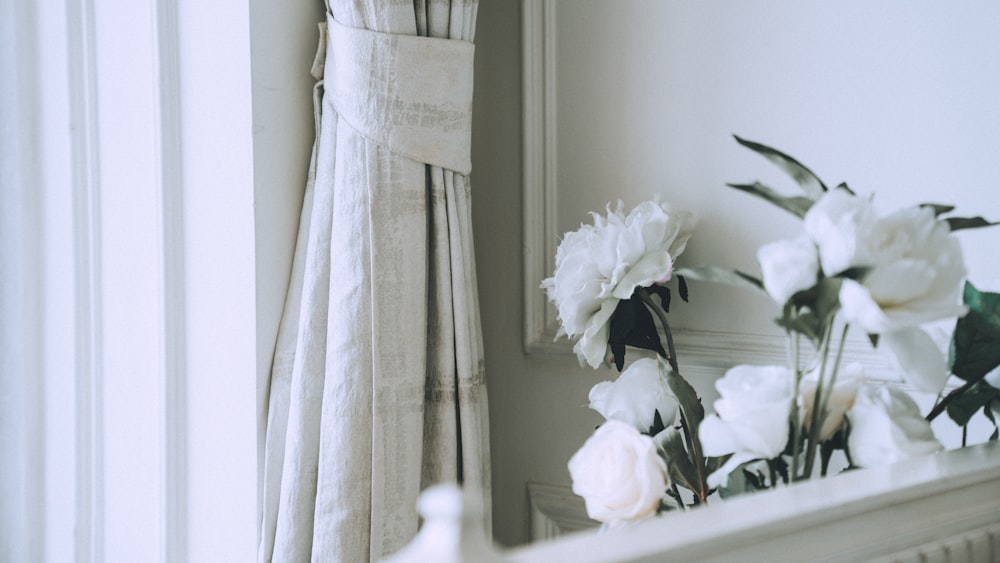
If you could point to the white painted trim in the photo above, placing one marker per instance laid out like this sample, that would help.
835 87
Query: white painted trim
555 510
539 166
857 516
174 375
89 392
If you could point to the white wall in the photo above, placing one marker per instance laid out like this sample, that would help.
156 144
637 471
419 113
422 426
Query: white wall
897 98
283 38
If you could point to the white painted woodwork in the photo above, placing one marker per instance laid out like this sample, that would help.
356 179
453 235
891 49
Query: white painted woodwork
942 502
944 507
142 245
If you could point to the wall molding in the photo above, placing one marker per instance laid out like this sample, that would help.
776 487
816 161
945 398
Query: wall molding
704 352
539 169
554 510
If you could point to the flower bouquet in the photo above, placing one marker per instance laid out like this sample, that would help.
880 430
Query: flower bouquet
850 268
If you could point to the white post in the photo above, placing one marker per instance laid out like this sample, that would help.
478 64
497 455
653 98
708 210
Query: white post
452 531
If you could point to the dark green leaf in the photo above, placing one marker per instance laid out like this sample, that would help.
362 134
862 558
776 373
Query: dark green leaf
807 324
722 275
845 187
959 223
779 466
962 407
658 425
975 346
938 208
804 177
687 398
796 205
756 482
632 325
995 435
682 288
857 273
670 444
873 338
988 412
664 293
713 464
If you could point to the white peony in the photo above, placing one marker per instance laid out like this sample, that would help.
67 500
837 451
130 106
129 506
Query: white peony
788 266
841 399
619 474
886 427
635 396
598 265
751 417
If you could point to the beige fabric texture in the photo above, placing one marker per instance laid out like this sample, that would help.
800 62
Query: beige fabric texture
377 389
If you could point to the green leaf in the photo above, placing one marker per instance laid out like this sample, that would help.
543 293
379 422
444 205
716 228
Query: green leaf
938 208
962 407
807 324
960 223
845 187
828 298
804 177
687 398
692 413
717 274
975 345
796 205
682 471
713 464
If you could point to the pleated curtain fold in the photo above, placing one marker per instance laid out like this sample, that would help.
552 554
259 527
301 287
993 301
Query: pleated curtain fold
377 389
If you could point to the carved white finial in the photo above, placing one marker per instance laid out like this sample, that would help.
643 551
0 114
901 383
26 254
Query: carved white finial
452 530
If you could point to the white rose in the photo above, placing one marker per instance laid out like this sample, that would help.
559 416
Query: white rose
635 396
600 264
886 427
839 223
751 417
788 266
915 273
841 399
619 474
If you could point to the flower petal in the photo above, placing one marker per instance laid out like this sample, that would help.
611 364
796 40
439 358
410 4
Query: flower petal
918 358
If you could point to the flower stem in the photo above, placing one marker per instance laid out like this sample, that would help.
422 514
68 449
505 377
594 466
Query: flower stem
694 447
824 389
955 393
814 421
793 352
662 315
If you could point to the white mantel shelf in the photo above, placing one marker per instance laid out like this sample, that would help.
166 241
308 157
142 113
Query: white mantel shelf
944 507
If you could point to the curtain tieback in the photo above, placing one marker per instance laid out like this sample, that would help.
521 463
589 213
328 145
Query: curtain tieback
410 94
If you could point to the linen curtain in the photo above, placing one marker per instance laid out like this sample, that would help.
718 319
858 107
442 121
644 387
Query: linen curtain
377 388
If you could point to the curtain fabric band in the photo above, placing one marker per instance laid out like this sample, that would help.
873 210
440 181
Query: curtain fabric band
410 94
